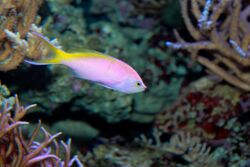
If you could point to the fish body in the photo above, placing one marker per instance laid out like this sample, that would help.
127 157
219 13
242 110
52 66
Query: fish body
94 66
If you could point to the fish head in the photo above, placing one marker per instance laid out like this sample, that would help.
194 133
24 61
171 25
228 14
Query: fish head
130 85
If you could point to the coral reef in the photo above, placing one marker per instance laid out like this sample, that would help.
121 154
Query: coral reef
237 147
15 150
197 120
148 152
220 32
16 42
192 150
209 113
133 44
215 113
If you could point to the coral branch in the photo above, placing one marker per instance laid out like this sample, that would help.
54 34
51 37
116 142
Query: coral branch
15 150
17 20
223 25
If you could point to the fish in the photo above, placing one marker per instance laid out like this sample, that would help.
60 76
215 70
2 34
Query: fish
94 66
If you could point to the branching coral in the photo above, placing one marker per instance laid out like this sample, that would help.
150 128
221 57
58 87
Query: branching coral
15 150
182 144
148 152
221 34
18 17
192 150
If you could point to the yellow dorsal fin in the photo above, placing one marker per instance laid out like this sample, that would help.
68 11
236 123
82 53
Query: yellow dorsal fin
57 55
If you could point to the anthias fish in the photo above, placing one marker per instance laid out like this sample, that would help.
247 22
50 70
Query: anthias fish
94 66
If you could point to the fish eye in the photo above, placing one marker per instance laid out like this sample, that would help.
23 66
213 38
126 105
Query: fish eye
138 84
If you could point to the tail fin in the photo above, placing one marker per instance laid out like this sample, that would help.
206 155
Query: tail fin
56 54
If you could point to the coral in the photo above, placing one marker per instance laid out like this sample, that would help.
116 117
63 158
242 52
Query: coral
147 152
214 113
210 113
67 23
82 132
237 147
149 6
192 150
220 32
74 28
189 148
15 150
16 43
115 156
4 96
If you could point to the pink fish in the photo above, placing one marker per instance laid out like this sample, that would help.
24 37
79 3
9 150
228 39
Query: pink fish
91 65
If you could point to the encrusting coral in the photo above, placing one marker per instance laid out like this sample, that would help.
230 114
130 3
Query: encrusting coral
210 113
215 113
16 21
221 34
15 150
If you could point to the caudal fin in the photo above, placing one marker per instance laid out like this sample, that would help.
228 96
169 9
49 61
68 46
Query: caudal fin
56 55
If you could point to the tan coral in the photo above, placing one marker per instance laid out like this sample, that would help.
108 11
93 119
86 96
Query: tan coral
192 149
222 37
17 17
